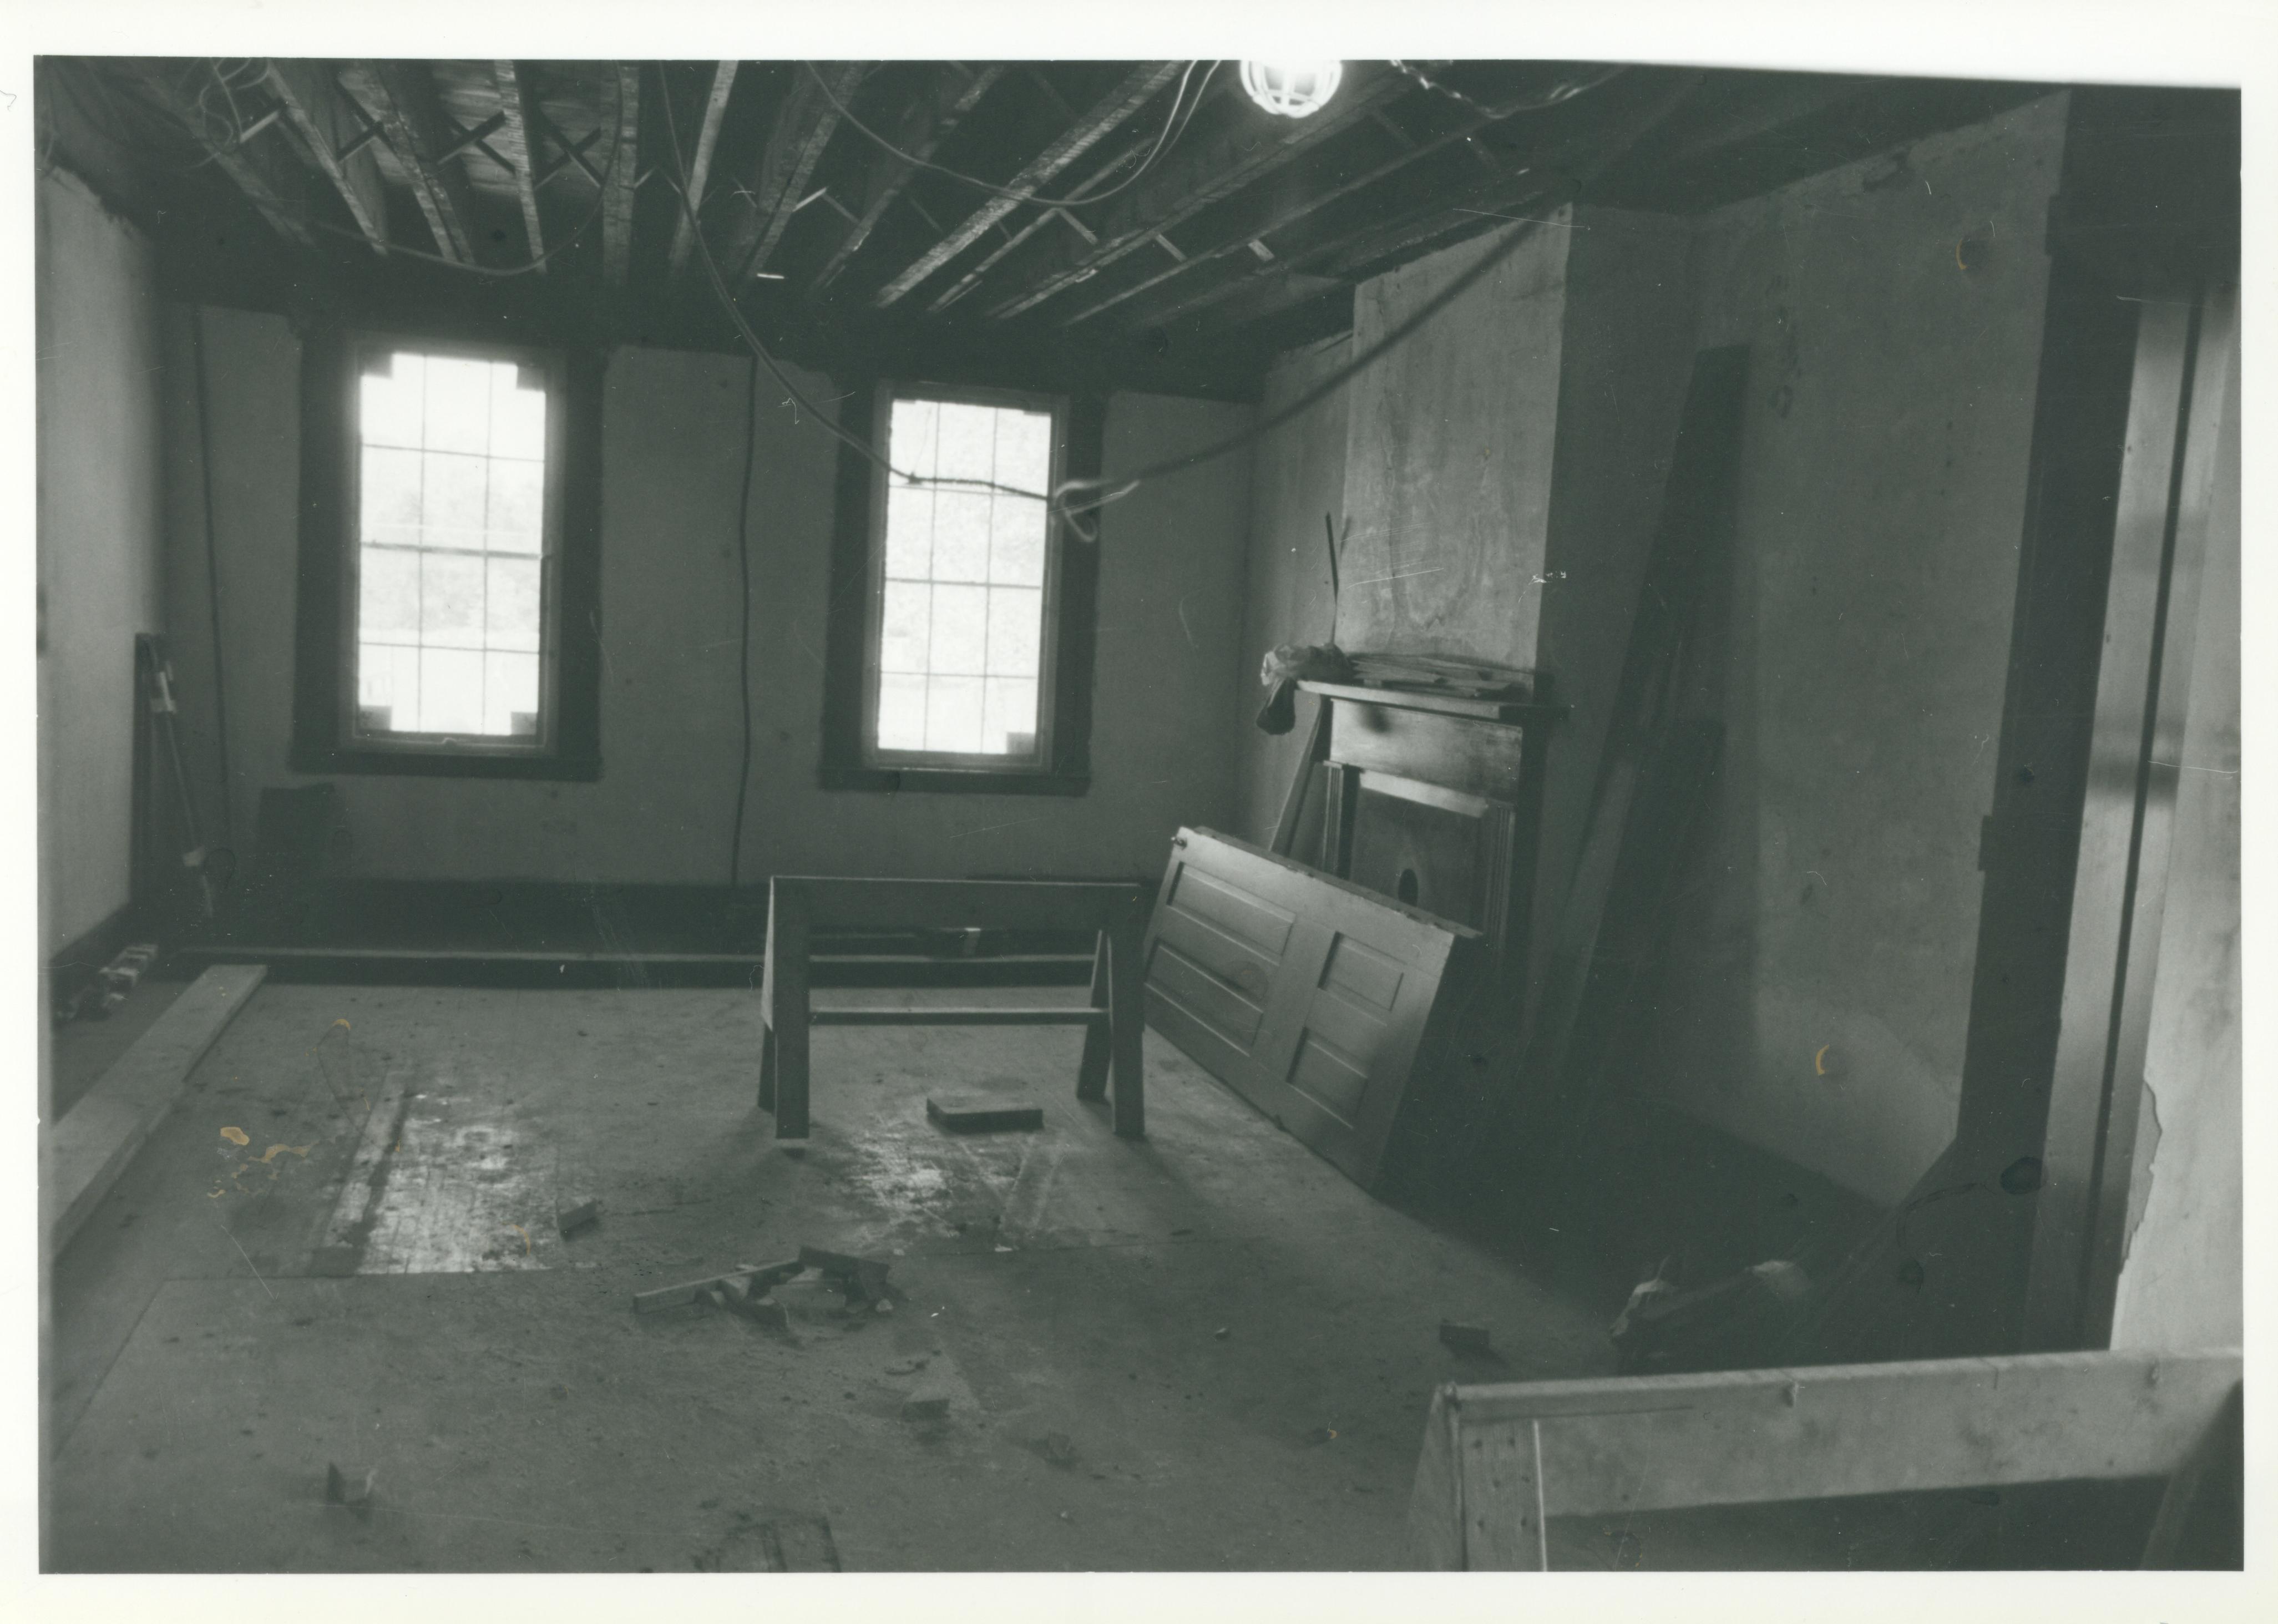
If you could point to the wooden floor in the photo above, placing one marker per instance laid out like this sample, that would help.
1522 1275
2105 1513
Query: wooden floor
338 1249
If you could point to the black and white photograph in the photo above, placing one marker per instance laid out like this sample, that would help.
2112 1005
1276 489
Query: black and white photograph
870 795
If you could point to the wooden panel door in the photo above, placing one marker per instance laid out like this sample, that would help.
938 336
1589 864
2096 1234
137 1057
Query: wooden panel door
1313 998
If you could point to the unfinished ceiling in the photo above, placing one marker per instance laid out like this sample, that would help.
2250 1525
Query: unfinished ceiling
1128 222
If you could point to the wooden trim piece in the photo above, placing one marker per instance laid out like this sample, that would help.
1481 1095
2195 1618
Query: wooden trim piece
1136 89
515 100
84 1154
834 903
1301 780
619 178
945 1015
314 102
700 166
1638 1444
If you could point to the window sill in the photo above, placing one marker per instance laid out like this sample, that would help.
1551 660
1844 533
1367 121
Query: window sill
953 781
446 765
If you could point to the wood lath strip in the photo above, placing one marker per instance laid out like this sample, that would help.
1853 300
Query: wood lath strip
621 176
335 141
513 88
1192 180
926 124
411 120
1139 87
263 175
700 166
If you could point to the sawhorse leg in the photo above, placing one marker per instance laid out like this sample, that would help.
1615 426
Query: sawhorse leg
1091 1074
1128 1023
784 1014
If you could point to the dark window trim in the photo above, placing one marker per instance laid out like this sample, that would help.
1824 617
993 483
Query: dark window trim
847 651
321 744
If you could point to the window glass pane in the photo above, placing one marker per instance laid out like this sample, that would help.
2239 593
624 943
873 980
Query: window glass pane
388 594
901 712
912 429
1015 614
451 601
953 714
510 694
510 619
1016 541
450 691
453 502
389 409
516 509
960 630
387 687
458 405
390 497
960 536
517 415
904 627
909 530
968 441
1008 721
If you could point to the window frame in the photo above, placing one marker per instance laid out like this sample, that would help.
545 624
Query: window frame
874 755
327 737
850 759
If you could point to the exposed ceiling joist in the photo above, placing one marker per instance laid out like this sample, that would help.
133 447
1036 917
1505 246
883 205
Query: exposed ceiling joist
411 118
1194 178
1269 214
1137 88
804 125
1131 152
263 172
515 100
332 133
925 123
622 176
700 166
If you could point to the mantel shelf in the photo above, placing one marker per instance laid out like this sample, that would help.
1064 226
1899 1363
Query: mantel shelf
1508 712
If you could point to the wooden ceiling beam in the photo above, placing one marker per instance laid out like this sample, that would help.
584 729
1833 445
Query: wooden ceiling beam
514 102
926 121
411 118
1271 215
620 176
1138 88
1035 222
803 127
1237 153
336 141
700 167
265 175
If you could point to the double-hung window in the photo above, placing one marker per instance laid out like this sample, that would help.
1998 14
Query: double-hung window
447 621
965 584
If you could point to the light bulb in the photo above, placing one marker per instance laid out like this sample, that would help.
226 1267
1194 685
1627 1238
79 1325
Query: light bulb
1292 90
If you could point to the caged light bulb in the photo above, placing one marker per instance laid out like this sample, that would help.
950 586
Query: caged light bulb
1292 90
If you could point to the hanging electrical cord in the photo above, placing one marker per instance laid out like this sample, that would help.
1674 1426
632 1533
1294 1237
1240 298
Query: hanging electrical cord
1163 143
1101 490
1562 92
744 618
854 442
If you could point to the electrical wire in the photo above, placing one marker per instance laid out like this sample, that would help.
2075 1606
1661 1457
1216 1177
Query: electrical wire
1163 143
743 616
1562 92
1100 491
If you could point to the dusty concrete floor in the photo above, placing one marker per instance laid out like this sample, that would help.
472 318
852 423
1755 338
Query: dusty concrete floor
1205 1350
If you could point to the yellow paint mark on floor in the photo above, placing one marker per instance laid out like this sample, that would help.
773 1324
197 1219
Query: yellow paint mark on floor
298 1150
236 1136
